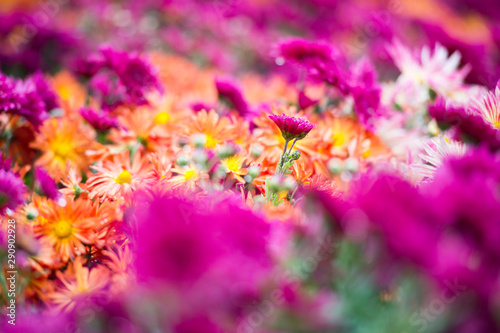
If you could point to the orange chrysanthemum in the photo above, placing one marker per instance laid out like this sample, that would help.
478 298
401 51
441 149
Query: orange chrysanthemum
64 144
217 129
78 283
67 228
117 178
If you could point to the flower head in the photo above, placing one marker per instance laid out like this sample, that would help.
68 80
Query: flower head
117 178
229 91
78 283
11 191
67 228
47 184
292 128
99 121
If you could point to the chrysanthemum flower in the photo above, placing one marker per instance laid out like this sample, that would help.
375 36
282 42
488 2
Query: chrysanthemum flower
489 108
476 122
46 184
63 144
435 152
119 261
291 127
187 177
73 183
217 129
235 165
100 121
432 69
78 283
230 92
67 228
117 178
12 191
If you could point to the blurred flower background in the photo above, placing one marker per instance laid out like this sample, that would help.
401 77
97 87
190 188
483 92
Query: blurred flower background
250 166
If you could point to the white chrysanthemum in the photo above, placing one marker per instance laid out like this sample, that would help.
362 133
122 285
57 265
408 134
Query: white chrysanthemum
435 152
434 69
489 107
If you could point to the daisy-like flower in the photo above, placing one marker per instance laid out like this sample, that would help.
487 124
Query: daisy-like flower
433 69
435 152
187 177
12 191
217 129
119 261
73 183
292 128
117 178
489 108
234 165
78 283
66 228
63 144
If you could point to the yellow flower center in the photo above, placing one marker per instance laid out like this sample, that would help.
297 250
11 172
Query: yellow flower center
162 118
211 141
63 229
64 92
62 149
367 153
124 177
190 174
496 124
339 139
233 163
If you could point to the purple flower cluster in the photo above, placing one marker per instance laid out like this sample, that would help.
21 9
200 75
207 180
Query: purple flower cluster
325 64
450 228
230 92
467 121
29 43
46 184
12 190
118 78
291 127
100 121
193 249
32 98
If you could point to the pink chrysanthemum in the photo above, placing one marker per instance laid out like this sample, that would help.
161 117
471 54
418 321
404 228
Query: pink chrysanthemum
292 128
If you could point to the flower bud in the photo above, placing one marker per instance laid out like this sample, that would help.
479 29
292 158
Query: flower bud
295 155
199 140
274 184
256 150
227 150
253 171
182 160
289 184
335 165
351 165
31 214
199 156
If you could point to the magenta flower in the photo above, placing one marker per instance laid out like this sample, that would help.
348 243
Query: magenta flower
469 122
292 128
46 184
12 191
100 121
230 92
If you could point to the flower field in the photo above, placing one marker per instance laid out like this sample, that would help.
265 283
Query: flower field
249 166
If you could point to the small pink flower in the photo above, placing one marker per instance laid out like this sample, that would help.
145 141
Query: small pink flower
292 128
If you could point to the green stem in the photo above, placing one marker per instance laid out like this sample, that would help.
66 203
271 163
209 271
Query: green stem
293 144
283 156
